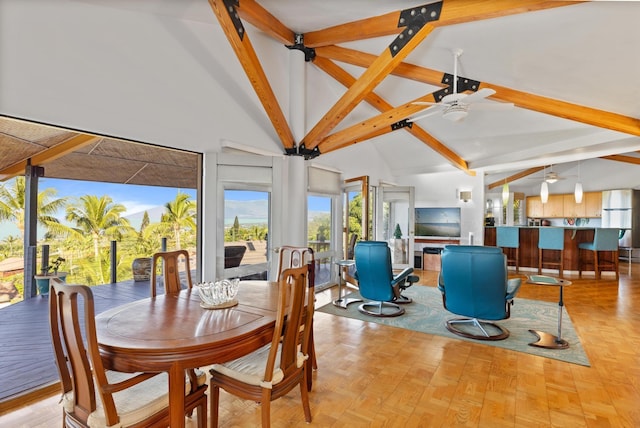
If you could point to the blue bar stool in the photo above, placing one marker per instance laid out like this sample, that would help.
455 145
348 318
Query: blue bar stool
551 238
509 237
604 239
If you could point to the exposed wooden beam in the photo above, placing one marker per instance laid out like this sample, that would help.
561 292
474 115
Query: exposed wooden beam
379 103
515 177
453 12
252 67
588 115
363 59
378 70
623 158
52 153
260 18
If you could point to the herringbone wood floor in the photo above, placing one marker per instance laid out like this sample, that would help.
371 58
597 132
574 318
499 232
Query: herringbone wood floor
376 376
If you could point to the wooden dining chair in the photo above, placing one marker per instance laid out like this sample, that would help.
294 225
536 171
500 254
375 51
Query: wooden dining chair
276 368
170 271
93 396
291 257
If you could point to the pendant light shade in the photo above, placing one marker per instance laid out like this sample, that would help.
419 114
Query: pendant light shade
578 193
505 193
544 192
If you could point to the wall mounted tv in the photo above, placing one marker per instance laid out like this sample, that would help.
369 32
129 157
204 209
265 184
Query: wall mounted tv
438 222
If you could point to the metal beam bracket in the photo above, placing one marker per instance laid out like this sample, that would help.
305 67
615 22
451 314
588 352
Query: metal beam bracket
464 84
413 20
231 6
404 123
301 150
309 53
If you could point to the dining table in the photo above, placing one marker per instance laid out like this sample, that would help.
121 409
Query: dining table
173 332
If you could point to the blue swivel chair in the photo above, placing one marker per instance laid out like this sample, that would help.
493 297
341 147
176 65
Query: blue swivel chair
604 239
474 284
376 280
551 238
509 237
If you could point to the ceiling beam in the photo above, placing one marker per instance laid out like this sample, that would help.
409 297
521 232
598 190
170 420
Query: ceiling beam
239 40
515 177
378 70
623 158
379 103
52 153
453 12
588 115
264 21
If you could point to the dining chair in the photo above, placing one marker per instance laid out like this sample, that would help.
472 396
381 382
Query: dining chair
292 257
170 271
275 369
93 396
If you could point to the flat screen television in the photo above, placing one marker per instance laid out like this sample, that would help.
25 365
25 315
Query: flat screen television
438 222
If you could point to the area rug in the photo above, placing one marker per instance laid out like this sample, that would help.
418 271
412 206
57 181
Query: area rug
427 315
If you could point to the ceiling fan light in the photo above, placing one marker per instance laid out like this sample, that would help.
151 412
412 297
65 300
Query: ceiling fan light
578 193
544 192
551 180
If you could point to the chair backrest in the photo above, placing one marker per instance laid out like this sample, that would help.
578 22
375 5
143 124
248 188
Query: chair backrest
293 320
293 257
606 239
551 238
170 271
508 236
474 279
351 247
233 255
75 345
374 270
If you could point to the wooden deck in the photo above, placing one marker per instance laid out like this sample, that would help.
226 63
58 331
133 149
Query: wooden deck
26 341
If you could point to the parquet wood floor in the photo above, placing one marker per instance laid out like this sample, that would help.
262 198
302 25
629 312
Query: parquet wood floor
372 375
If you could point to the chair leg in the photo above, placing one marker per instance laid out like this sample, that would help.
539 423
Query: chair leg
596 266
266 407
202 413
539 261
304 396
214 399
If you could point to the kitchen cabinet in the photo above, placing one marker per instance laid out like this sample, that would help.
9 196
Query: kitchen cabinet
554 206
534 207
571 208
593 204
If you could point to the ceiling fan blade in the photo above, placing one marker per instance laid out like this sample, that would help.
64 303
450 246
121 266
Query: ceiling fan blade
478 95
491 106
428 112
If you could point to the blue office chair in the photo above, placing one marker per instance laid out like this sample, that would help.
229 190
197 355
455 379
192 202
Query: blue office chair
604 239
509 237
376 280
551 238
474 284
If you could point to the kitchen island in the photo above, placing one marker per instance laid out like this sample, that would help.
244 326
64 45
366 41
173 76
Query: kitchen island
529 246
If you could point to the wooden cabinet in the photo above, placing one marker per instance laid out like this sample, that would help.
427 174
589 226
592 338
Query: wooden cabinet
554 206
593 204
571 208
564 205
534 207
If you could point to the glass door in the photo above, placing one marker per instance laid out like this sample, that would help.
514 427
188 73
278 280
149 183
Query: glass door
396 212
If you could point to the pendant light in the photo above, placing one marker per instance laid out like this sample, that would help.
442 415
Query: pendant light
578 191
505 192
544 189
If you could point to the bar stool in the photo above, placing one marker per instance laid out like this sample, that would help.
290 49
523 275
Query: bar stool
604 239
551 238
509 237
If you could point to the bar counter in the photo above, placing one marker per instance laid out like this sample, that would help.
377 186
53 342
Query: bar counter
529 246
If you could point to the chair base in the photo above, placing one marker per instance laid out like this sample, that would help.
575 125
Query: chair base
487 330
397 291
381 309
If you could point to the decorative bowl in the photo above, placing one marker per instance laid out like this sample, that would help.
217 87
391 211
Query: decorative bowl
218 294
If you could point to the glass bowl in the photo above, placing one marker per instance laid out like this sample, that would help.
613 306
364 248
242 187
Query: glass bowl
218 293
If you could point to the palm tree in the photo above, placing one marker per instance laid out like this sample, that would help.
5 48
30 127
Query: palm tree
98 217
180 213
12 205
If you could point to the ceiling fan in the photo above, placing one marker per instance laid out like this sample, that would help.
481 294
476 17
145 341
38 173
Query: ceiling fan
455 106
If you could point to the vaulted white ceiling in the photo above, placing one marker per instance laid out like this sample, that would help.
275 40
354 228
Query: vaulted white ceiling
163 71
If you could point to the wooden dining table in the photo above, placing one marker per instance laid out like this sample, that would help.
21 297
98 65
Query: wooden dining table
172 332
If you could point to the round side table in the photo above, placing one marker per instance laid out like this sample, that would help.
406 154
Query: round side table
343 302
548 340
